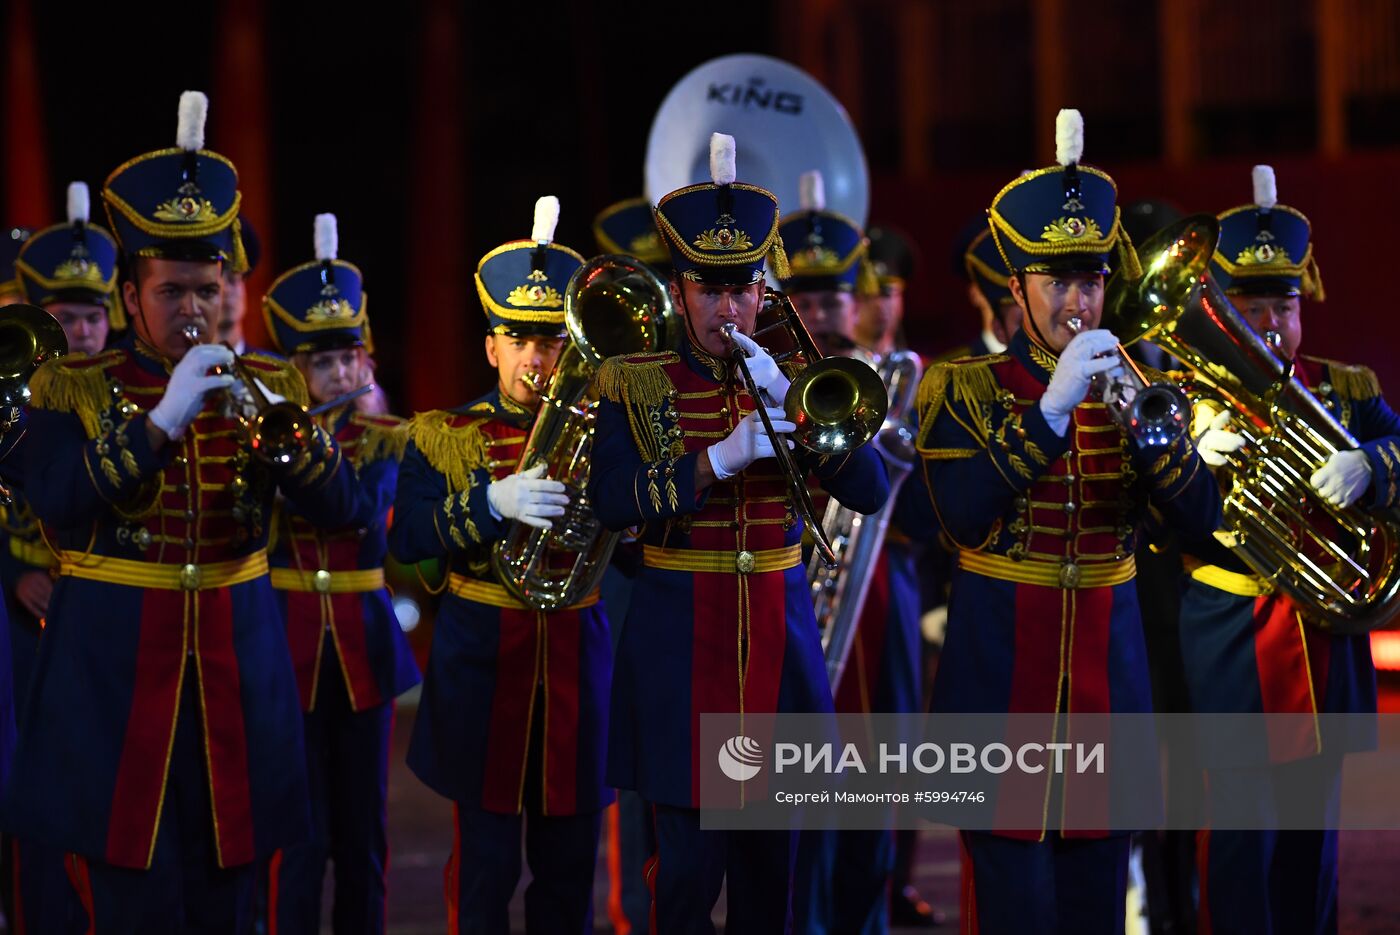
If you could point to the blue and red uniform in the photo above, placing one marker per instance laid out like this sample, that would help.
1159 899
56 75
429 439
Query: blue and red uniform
1250 650
351 660
161 732
513 716
738 634
1043 615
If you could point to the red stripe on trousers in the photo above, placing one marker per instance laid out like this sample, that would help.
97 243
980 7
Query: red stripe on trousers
1087 794
563 633
1281 660
348 618
305 632
620 923
82 885
1203 924
509 728
274 871
150 730
451 874
225 738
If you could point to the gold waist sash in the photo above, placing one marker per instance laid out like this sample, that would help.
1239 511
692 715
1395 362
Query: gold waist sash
168 577
353 581
743 563
1065 574
494 595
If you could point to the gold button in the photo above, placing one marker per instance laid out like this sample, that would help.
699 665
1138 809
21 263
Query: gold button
190 576
1069 507
321 581
744 562
1069 575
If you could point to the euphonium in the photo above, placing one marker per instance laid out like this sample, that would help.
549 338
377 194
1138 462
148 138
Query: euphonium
836 403
1338 565
838 594
612 305
277 432
28 337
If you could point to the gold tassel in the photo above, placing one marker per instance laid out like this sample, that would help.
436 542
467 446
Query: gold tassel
239 260
933 390
379 441
636 379
452 451
973 382
79 387
1312 281
279 376
1127 255
116 310
778 259
1353 381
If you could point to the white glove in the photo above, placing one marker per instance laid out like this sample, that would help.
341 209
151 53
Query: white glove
1344 478
1069 384
527 497
747 443
189 381
764 369
1216 442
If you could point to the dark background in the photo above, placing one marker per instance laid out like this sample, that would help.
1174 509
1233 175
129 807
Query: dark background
430 128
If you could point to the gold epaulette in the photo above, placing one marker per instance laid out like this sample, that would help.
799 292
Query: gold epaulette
638 379
1351 381
78 385
970 380
383 437
278 375
452 450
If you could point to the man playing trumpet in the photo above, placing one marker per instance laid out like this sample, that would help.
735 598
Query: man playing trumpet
682 452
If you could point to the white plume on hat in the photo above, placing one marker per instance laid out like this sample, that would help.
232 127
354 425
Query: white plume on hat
722 160
194 107
1265 186
811 191
79 202
327 237
546 219
1069 137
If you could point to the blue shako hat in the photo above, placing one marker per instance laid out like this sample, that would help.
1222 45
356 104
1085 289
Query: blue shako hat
72 262
522 283
891 258
986 270
319 305
722 231
1265 248
11 240
826 251
1061 218
179 203
628 227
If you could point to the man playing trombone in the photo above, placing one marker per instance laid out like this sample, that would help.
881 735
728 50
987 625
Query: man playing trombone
1042 492
721 616
513 719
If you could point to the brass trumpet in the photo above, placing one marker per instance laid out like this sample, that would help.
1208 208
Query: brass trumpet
28 337
837 404
277 432
1153 414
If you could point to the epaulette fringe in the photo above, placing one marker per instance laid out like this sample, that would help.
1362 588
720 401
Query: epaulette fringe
280 377
453 451
79 387
379 441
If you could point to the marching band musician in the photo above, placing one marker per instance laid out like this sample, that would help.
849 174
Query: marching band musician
880 315
989 290
512 722
233 306
351 657
831 280
681 453
70 270
1041 493
1250 650
161 747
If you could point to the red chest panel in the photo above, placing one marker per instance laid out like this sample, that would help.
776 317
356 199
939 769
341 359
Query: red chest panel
750 511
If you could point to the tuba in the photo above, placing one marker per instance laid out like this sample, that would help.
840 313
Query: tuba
1341 566
838 594
836 403
612 305
28 337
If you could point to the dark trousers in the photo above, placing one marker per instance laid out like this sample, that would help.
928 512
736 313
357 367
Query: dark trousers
691 865
184 892
843 881
631 844
1064 886
347 765
1271 882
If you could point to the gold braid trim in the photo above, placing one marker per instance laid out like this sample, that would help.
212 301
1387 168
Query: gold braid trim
971 382
638 382
380 441
77 386
279 376
454 452
1351 381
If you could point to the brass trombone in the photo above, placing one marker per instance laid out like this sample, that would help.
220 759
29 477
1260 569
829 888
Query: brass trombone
837 404
277 432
